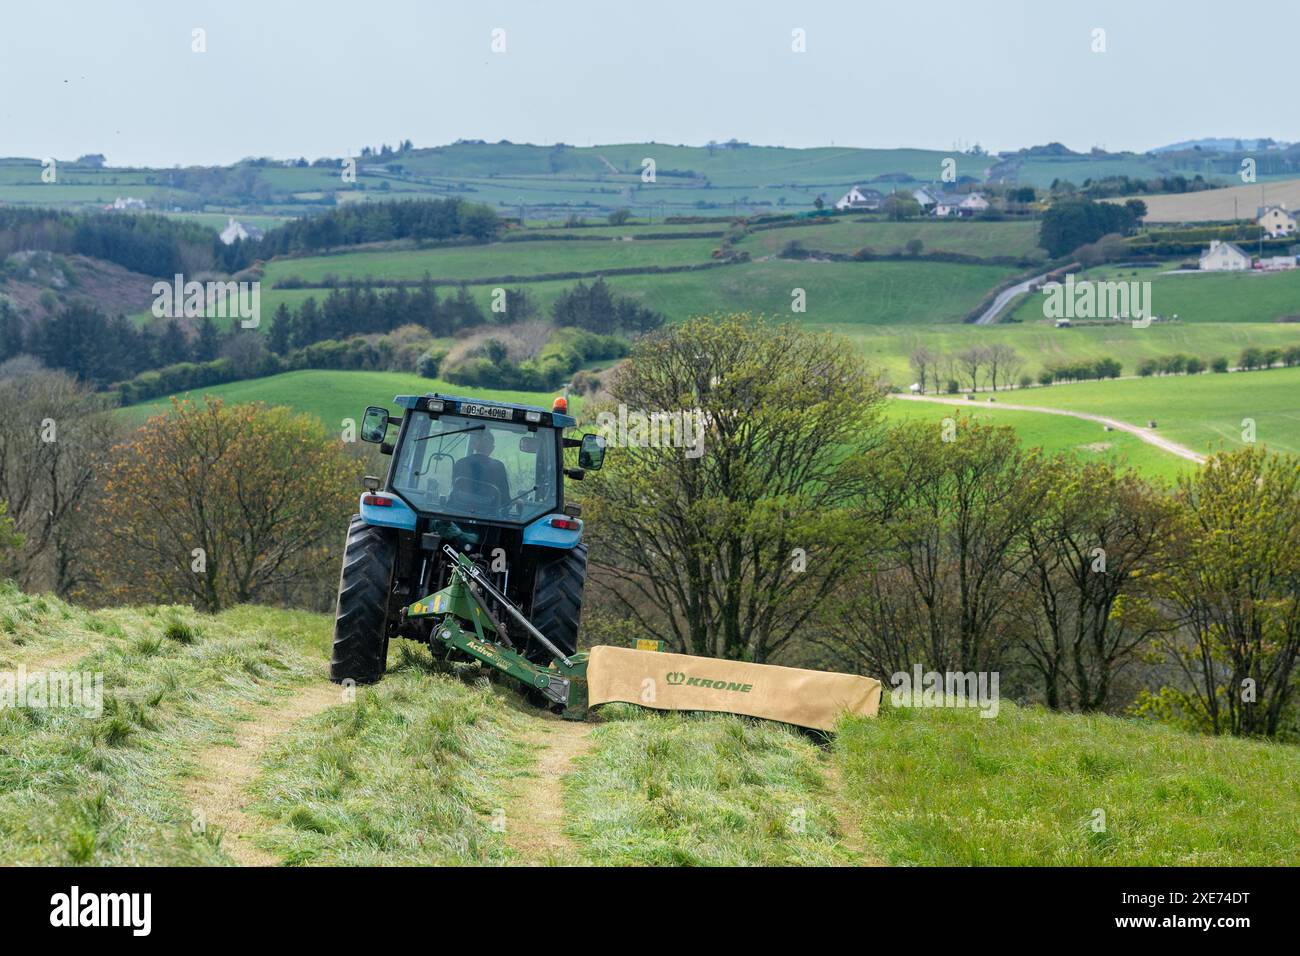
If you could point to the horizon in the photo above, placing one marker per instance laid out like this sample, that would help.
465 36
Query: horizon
415 147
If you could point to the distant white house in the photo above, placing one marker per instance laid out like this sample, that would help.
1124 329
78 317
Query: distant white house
1276 221
951 205
1225 257
858 198
130 202
1275 263
236 230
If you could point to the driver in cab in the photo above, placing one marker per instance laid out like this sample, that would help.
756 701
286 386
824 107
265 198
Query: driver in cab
481 472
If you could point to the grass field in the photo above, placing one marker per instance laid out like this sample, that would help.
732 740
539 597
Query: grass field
847 236
1196 297
1055 434
333 396
845 295
496 259
1204 412
435 766
1042 345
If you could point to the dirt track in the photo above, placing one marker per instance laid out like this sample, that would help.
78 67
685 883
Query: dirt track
1145 434
219 788
535 821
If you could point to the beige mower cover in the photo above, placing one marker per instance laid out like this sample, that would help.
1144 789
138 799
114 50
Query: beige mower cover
814 699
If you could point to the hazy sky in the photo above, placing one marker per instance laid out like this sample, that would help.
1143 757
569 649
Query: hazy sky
325 78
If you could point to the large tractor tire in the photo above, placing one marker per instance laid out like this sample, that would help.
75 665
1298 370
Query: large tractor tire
557 602
361 619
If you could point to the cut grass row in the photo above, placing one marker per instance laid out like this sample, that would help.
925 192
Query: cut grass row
108 789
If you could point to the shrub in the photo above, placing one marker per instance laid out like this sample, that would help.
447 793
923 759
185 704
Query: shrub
1219 364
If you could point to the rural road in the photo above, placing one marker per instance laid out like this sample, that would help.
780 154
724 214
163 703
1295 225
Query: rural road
1006 295
1145 434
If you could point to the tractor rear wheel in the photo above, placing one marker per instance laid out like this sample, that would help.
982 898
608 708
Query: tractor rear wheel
361 619
557 602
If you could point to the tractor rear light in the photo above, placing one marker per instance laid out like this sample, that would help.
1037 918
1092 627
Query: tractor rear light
378 501
532 416
434 405
565 524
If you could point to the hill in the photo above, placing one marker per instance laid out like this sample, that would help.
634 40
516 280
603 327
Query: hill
220 742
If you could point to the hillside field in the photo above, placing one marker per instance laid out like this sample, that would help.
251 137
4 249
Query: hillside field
220 742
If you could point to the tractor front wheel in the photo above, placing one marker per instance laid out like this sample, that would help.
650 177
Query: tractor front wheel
361 620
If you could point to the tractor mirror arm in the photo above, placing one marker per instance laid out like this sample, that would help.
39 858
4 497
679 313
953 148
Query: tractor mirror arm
577 474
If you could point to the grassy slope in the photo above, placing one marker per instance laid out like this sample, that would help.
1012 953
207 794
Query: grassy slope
109 790
947 787
413 771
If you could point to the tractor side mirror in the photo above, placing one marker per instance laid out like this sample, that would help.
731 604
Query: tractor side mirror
591 454
374 424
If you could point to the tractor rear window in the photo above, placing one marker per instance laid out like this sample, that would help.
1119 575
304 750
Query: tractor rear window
477 468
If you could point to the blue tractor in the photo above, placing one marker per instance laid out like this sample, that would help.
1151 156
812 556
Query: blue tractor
467 544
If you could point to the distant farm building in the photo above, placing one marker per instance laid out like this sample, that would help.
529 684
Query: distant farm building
951 205
1224 257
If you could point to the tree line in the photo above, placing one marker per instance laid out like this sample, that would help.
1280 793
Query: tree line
810 533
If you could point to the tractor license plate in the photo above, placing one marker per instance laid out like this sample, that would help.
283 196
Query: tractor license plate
487 411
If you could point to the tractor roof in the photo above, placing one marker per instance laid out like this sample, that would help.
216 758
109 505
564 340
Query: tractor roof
556 419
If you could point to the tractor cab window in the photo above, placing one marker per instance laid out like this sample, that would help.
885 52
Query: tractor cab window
476 468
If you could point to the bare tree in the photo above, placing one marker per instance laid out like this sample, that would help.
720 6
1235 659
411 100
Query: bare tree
1004 359
54 436
922 360
970 361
